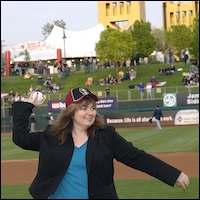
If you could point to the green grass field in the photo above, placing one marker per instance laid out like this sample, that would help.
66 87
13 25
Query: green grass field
170 139
128 189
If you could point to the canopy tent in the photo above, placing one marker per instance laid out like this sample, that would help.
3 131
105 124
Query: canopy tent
77 44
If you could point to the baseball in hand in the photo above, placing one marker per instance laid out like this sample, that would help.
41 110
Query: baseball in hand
39 98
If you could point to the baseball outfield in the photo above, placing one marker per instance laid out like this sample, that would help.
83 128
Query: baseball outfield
176 146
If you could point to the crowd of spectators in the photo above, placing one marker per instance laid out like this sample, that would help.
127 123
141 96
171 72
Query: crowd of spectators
14 96
110 80
19 69
49 85
167 70
192 77
63 68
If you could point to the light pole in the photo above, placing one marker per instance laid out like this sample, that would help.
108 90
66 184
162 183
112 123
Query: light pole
64 37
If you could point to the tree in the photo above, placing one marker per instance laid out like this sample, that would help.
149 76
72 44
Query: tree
178 37
115 46
145 41
26 54
159 37
48 27
194 50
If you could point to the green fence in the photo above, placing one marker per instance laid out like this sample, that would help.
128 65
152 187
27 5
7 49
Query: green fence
41 122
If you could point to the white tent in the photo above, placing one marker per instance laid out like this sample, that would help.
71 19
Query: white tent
77 44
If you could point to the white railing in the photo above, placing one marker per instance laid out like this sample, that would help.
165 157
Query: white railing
132 94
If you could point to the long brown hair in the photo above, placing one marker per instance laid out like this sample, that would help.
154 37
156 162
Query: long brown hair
63 124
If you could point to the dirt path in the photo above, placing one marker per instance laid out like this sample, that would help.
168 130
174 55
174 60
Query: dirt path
23 171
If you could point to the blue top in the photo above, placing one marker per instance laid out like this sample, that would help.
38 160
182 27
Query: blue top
74 184
157 113
142 87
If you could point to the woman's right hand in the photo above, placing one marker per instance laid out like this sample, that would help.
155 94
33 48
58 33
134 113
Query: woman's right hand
32 99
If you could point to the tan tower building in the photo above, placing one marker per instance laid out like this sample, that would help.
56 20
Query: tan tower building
179 12
120 15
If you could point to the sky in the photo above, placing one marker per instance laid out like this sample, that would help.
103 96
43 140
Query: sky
22 21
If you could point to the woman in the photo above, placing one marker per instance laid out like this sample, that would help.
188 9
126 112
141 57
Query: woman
76 152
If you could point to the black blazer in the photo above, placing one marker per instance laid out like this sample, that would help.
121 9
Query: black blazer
102 149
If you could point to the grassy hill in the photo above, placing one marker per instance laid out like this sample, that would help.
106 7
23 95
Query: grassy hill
78 78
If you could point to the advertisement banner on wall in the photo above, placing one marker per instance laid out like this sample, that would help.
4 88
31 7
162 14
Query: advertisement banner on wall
141 119
187 117
56 106
169 100
185 99
107 103
180 99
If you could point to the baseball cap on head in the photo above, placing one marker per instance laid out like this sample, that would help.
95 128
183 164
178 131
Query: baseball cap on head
75 95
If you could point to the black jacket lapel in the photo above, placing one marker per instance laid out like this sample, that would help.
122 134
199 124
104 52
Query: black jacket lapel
90 151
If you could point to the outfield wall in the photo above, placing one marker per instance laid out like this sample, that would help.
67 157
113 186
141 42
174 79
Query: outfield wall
129 117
